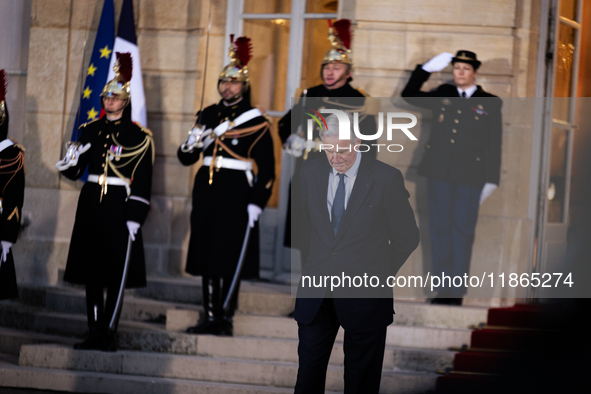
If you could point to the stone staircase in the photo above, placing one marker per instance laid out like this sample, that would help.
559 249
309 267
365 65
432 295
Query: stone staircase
156 356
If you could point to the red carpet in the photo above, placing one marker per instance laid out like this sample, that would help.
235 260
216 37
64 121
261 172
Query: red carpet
497 355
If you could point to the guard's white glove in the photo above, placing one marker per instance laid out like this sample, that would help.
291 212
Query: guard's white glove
253 214
487 190
72 155
133 227
194 140
295 145
438 63
5 250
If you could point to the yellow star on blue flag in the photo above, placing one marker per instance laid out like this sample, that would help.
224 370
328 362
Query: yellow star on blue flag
105 52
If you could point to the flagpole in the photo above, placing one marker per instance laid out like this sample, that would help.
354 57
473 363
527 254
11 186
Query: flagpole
205 65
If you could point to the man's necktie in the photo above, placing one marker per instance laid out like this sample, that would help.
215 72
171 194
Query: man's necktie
338 204
463 94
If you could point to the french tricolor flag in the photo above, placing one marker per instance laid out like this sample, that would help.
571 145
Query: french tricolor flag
126 41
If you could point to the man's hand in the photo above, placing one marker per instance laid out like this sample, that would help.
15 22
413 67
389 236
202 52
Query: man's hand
487 190
133 227
438 63
72 155
5 250
253 214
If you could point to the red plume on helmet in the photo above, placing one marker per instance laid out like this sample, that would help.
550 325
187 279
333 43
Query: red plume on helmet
343 30
3 84
243 50
125 66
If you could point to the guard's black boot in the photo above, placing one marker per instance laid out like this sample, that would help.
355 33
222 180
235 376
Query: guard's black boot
208 323
226 326
109 339
94 312
109 342
92 341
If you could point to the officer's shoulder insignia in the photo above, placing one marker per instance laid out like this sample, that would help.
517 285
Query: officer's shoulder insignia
147 131
83 125
446 101
363 92
17 145
480 106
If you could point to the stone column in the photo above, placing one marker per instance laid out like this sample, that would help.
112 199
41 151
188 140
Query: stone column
15 23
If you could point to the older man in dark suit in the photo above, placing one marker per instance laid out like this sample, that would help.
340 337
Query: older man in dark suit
356 222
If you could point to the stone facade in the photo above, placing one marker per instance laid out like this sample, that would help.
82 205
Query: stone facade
390 38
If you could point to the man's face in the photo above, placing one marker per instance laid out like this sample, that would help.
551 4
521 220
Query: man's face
464 74
113 105
230 89
332 72
343 158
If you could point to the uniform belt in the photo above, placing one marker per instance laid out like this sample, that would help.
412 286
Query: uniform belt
110 180
231 164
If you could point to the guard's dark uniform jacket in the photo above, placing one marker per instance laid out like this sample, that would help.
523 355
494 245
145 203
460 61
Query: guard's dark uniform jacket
345 98
465 143
219 216
99 239
12 194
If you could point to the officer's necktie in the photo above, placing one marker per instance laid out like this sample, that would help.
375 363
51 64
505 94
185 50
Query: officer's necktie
338 204
464 94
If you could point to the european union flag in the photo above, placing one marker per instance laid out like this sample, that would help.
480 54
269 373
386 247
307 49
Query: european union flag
98 69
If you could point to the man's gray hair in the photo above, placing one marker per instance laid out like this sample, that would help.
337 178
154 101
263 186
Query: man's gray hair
332 123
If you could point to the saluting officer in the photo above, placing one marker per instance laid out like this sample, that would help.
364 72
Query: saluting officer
12 194
335 92
231 189
462 160
113 205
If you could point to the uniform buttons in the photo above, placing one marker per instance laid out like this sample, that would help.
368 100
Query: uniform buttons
219 149
452 141
428 146
459 111
223 137
105 145
443 108
478 159
103 155
476 117
454 131
108 136
457 121
103 165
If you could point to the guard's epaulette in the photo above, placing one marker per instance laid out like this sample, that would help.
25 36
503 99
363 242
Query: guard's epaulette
363 92
147 131
17 145
87 123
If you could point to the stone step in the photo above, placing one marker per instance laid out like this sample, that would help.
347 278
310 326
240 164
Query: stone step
255 297
92 382
154 338
275 299
71 300
286 328
246 325
12 340
222 370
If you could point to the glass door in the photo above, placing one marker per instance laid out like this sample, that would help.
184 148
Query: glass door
561 91
289 40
